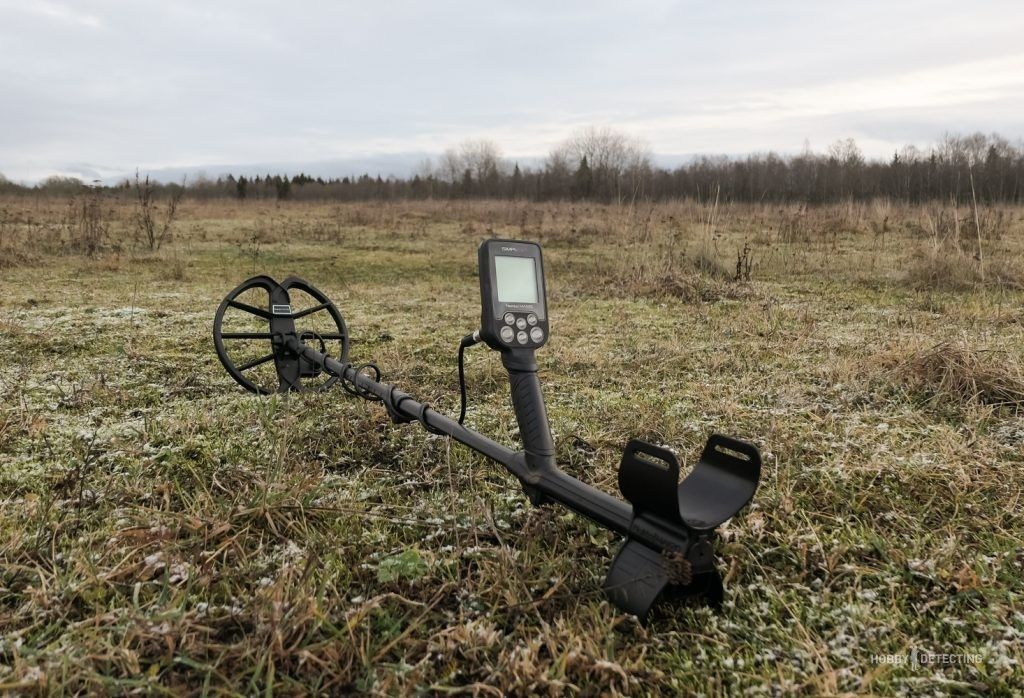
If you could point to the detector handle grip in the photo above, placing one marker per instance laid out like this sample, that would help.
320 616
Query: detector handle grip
528 404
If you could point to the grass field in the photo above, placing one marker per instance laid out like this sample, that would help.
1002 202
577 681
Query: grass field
161 530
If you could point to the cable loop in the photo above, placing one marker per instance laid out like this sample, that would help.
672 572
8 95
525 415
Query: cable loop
393 402
423 420
350 386
362 392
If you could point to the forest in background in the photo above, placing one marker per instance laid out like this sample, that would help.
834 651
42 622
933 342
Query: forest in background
605 165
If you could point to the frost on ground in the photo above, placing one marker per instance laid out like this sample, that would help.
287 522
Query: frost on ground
162 530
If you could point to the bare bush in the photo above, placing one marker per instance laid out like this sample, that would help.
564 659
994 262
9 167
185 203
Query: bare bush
13 251
152 221
744 263
87 221
674 260
794 225
177 268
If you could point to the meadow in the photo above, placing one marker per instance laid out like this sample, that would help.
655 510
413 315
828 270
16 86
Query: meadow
161 530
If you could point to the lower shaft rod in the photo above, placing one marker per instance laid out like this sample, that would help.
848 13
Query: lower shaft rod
549 480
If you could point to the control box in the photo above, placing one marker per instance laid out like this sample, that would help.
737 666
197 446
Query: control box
514 309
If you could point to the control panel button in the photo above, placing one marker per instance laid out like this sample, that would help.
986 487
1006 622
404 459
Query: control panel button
532 319
510 319
537 335
522 338
521 323
507 334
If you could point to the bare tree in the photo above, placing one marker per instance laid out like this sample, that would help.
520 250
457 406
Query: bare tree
474 164
619 163
450 167
847 152
558 173
424 169
482 158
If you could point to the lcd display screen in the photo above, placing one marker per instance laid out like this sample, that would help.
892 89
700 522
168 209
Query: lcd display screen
517 279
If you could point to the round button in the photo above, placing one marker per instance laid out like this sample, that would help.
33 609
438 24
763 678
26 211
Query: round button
522 338
510 319
537 335
521 323
532 319
507 334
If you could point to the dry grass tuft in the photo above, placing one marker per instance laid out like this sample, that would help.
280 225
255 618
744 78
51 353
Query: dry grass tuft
954 373
947 269
955 257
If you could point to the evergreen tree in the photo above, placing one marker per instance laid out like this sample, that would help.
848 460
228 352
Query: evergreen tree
283 187
517 181
583 184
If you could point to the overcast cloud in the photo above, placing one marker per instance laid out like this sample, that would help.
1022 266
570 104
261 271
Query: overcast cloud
99 87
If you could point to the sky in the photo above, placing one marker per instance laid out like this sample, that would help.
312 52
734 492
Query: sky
100 88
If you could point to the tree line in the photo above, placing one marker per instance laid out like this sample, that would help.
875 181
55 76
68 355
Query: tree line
601 164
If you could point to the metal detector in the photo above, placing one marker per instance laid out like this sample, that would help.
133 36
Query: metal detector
668 525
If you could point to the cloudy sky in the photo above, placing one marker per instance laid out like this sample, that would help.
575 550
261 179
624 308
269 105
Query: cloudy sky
101 87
